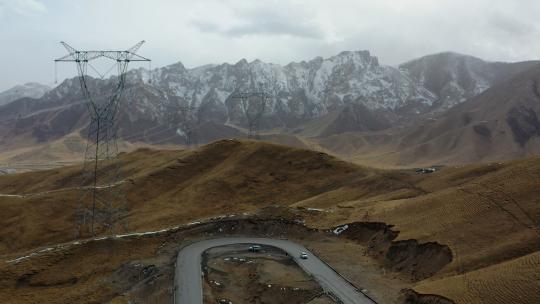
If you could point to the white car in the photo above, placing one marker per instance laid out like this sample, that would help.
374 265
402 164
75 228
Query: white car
303 256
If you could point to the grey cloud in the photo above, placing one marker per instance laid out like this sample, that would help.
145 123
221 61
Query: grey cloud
395 31
205 26
511 25
275 27
24 7
264 23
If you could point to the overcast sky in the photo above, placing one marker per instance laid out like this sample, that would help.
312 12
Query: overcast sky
198 32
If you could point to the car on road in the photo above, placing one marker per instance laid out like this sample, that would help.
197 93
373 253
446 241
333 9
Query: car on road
255 248
303 256
425 170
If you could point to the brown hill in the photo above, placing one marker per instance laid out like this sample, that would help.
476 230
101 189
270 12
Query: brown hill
454 232
223 177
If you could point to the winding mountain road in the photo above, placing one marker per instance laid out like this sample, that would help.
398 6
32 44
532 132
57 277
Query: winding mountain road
188 273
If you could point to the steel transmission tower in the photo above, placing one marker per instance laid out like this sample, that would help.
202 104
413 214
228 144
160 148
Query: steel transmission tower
102 205
253 104
186 118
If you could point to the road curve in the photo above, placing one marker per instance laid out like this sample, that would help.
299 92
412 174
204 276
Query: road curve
188 273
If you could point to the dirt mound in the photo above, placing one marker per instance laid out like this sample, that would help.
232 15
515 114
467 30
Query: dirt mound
415 260
372 233
412 297
419 261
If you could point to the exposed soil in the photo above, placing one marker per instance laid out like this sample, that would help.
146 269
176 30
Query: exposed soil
270 276
409 296
409 257
419 261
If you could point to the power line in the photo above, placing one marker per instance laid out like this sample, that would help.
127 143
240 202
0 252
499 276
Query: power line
145 133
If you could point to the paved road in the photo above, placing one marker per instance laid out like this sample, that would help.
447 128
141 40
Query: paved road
188 275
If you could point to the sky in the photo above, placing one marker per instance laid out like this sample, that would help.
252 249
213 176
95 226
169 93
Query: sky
198 32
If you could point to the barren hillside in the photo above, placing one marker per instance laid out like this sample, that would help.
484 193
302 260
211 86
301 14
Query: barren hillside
451 233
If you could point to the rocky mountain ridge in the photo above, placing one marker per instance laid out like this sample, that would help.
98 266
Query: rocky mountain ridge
454 78
367 95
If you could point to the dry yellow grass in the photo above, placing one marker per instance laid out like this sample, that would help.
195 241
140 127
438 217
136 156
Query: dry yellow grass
514 281
487 213
168 188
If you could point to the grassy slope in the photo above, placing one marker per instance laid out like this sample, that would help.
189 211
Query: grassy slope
166 188
485 213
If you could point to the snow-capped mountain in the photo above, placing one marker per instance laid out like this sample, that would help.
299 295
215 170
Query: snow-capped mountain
300 90
347 92
454 78
31 89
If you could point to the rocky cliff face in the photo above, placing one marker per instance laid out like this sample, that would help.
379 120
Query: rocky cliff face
302 90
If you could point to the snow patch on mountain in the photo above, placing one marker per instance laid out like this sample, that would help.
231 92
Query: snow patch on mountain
454 78
304 89
300 91
31 89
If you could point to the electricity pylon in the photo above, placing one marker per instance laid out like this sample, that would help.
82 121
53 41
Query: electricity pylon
253 104
102 204
185 118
